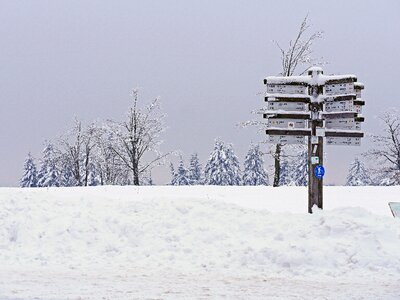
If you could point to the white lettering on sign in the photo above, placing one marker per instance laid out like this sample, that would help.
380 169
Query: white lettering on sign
286 139
287 123
340 106
343 141
287 106
339 88
286 89
348 123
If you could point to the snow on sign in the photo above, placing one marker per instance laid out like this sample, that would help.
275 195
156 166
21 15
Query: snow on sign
286 89
343 141
343 88
287 123
287 139
286 106
321 107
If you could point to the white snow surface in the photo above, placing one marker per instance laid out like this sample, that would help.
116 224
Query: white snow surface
198 242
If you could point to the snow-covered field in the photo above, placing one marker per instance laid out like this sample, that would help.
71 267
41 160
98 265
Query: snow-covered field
198 243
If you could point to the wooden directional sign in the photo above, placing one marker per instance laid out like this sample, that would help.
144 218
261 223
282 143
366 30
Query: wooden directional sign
279 131
319 107
358 86
286 139
287 123
343 141
358 104
348 123
287 115
339 115
343 137
340 85
286 88
286 106
339 106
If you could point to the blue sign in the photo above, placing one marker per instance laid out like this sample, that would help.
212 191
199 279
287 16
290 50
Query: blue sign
319 171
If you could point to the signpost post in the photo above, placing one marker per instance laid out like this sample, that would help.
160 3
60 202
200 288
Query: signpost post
315 106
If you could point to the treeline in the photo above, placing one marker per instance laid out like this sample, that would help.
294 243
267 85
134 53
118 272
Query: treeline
111 153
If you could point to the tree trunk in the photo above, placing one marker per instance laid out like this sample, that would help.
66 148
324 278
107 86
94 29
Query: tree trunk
277 157
136 175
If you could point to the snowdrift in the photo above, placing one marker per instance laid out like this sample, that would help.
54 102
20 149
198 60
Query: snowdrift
235 230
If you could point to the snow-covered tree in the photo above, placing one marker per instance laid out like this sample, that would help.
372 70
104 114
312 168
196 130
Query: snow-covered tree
147 179
29 178
223 166
386 179
138 138
77 150
181 176
386 152
93 177
254 172
299 167
358 175
66 175
285 176
172 172
109 167
195 170
49 174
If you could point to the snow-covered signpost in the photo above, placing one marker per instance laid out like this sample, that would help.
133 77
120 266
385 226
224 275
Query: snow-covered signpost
314 106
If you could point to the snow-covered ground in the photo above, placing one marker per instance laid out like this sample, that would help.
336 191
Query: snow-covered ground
198 243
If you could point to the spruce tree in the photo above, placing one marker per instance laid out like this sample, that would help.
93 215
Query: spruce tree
299 175
254 172
181 176
285 178
29 178
66 176
222 167
195 170
358 175
93 177
172 172
48 174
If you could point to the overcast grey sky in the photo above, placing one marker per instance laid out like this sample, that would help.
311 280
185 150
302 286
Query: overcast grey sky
206 59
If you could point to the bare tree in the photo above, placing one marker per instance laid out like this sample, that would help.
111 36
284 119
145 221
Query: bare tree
109 166
386 152
138 138
77 151
299 53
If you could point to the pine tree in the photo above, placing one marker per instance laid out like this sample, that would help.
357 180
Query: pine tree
285 178
172 172
29 178
49 174
93 177
358 175
67 176
385 179
254 172
299 175
222 167
181 176
195 170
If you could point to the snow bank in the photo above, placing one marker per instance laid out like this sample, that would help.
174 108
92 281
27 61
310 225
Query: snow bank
238 230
